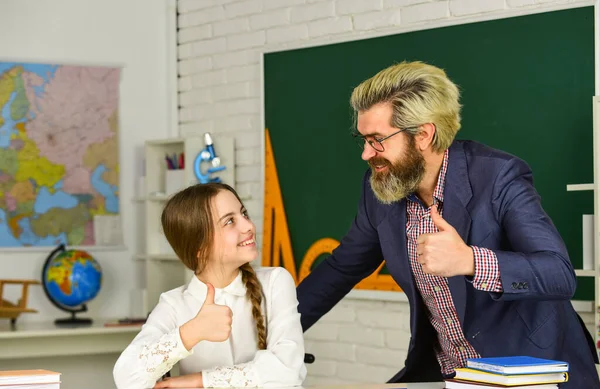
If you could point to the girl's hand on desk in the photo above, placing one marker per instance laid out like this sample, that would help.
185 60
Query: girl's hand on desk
184 381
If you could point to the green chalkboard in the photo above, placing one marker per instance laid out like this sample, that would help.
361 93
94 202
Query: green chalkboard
527 84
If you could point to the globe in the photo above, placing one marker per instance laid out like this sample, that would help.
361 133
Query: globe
71 278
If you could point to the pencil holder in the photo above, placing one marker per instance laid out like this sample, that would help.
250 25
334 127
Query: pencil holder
174 181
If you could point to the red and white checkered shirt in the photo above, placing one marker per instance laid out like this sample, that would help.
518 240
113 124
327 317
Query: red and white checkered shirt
453 349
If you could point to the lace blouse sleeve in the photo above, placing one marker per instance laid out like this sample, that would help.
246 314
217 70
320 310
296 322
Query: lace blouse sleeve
241 376
153 352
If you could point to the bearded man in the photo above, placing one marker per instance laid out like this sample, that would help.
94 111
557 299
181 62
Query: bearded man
462 231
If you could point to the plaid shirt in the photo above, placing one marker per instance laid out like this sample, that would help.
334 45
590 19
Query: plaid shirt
453 348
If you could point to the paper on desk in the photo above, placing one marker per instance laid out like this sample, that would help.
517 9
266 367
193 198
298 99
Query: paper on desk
107 230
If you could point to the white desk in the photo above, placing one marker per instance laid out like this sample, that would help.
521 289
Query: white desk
48 340
429 385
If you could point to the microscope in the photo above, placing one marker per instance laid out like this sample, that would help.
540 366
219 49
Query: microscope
207 156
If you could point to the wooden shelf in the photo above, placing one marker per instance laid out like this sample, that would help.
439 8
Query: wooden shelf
150 198
45 339
160 198
166 142
162 257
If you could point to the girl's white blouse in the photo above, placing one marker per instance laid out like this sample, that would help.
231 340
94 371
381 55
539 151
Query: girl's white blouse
236 362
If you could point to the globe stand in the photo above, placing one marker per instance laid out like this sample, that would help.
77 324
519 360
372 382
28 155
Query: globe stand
74 321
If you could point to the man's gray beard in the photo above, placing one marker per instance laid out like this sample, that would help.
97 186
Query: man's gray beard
401 178
391 188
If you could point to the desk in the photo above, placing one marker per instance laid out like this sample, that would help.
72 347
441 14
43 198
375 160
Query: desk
47 340
428 385
42 340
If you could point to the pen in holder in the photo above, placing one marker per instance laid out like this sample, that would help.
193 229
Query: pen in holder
174 175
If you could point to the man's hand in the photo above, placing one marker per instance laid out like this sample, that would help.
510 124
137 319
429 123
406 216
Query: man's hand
444 253
212 322
184 381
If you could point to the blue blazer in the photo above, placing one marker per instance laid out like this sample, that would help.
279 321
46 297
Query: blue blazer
490 200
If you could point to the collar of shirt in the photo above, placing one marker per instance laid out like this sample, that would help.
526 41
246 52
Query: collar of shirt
198 288
438 192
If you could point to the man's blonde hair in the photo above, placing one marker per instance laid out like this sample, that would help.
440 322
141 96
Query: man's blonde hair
419 94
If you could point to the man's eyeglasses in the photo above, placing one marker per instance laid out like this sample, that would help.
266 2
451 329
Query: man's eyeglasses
375 143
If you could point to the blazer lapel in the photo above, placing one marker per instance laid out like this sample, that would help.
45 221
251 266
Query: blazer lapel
393 232
457 194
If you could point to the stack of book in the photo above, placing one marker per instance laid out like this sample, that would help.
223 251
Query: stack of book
510 372
29 379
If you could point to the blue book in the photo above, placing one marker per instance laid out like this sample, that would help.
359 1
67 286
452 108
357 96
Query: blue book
517 365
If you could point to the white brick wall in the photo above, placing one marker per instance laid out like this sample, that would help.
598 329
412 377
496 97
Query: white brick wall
362 341
220 42
349 350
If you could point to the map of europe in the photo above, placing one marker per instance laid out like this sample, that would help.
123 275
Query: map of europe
59 161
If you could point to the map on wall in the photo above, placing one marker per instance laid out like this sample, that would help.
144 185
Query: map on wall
59 155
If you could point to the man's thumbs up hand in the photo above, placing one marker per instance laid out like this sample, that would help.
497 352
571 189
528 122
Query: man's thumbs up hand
438 221
444 253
